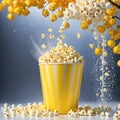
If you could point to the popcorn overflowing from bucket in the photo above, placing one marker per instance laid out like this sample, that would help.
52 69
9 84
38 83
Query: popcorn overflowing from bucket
62 53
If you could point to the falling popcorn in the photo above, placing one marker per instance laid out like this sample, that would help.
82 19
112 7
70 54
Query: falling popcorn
97 94
107 74
50 30
43 46
79 36
62 36
43 36
105 53
91 46
105 90
51 36
101 78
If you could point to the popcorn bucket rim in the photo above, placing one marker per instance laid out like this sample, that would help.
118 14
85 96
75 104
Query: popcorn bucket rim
60 63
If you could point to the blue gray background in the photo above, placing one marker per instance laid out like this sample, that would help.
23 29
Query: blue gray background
19 73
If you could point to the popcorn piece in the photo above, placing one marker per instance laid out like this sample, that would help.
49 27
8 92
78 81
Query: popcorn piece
38 113
12 106
104 62
55 113
6 116
50 30
116 116
51 36
83 112
102 114
105 90
107 74
50 114
118 107
100 107
62 36
45 113
74 114
101 78
32 113
24 113
90 112
91 46
70 111
107 114
87 107
43 36
97 94
105 54
43 46
79 36
58 39
12 113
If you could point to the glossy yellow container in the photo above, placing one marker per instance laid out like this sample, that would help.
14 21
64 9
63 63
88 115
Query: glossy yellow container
61 85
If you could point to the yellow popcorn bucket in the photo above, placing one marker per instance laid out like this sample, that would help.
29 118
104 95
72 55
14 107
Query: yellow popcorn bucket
61 84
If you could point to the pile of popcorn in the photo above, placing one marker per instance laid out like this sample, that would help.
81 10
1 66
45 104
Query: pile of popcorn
88 111
62 53
39 110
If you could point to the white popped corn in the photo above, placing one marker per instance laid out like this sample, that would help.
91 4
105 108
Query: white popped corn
55 113
79 36
50 114
97 94
90 112
83 112
43 35
50 30
102 114
38 113
51 36
104 62
105 90
118 107
101 107
116 116
73 114
105 54
6 116
101 78
62 36
107 114
43 46
107 74
91 46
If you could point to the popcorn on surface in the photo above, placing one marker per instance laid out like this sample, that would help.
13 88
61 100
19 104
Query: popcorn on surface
39 110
